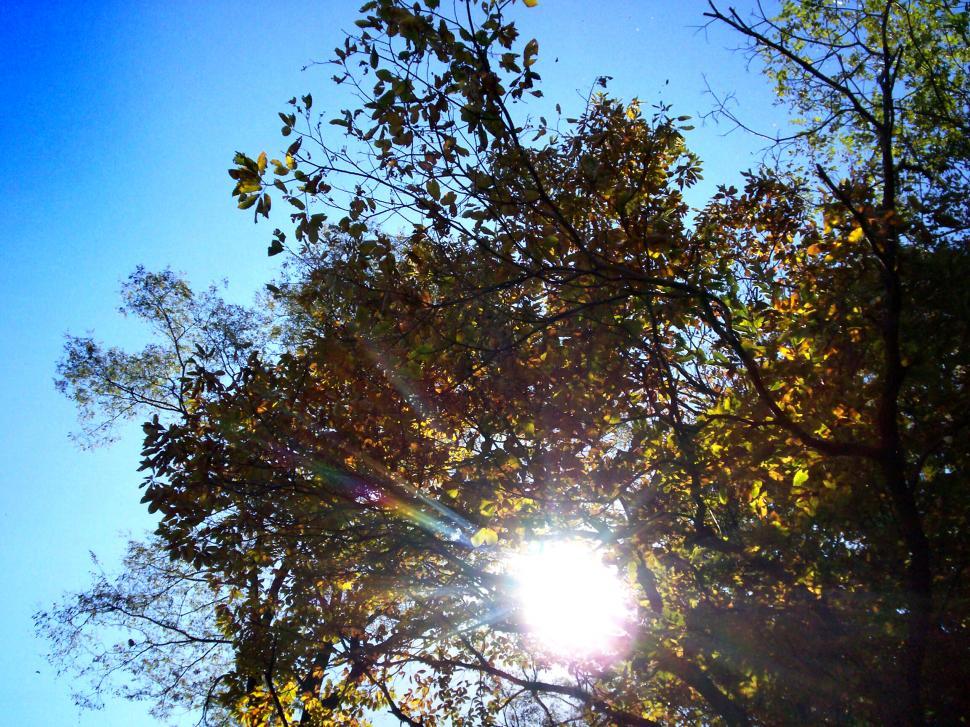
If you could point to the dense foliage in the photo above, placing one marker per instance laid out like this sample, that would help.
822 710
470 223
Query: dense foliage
496 329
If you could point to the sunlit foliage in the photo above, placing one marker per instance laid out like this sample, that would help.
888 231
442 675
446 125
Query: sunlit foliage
502 329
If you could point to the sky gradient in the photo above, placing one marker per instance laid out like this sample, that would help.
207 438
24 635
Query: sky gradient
119 122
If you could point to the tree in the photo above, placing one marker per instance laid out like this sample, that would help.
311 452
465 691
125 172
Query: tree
189 331
165 646
514 329
887 81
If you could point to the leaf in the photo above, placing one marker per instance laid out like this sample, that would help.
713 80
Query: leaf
485 536
530 3
800 478
265 204
248 185
529 53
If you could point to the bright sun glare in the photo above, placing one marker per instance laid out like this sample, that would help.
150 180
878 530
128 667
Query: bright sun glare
570 601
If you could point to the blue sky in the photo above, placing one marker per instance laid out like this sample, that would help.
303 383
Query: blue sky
119 121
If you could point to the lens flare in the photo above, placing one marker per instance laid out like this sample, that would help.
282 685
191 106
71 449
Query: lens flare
572 603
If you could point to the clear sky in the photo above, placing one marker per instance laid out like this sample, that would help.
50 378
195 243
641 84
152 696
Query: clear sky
118 122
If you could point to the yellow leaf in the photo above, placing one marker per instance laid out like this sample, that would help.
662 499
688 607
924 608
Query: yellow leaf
856 235
485 536
530 3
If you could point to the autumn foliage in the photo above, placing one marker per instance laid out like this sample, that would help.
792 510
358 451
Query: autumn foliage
496 329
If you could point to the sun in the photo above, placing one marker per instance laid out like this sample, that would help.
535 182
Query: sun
571 602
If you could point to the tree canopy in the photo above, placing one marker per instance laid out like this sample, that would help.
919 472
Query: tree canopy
497 329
